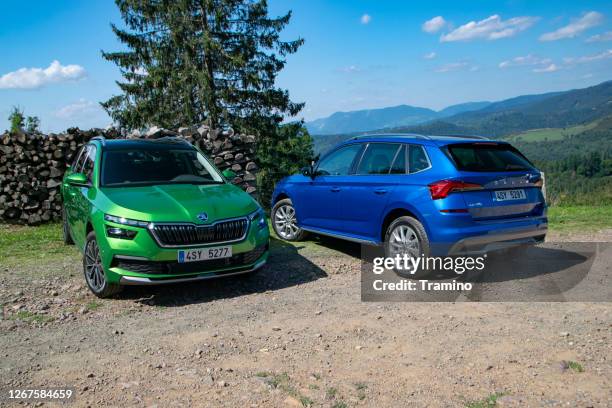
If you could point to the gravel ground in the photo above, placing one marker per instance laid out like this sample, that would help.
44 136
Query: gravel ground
296 334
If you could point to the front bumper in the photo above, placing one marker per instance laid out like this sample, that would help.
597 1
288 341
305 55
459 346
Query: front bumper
134 280
141 261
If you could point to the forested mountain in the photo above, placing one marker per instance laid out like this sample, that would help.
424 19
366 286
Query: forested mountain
500 119
395 116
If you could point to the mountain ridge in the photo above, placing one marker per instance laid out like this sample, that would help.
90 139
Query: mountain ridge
378 118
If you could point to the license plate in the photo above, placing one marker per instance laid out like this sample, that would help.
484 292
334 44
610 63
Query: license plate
203 254
507 195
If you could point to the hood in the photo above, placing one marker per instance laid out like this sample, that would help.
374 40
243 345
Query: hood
176 202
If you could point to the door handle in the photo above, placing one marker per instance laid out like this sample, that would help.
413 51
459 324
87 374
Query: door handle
334 189
380 191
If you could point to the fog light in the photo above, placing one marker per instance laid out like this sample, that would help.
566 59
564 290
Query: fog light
121 233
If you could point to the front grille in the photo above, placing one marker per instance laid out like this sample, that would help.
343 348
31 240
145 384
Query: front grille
175 268
178 235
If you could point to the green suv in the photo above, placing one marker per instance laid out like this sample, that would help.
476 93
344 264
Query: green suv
148 212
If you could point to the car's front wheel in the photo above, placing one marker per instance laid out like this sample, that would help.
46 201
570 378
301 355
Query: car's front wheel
407 236
94 271
284 221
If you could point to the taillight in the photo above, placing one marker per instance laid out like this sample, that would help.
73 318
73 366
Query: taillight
441 189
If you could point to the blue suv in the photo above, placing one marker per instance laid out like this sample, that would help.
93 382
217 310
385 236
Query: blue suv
416 195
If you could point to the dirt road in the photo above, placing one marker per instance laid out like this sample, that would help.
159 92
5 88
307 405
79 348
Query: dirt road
296 334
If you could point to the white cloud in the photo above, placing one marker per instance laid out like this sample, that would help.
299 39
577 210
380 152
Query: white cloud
577 26
32 78
351 69
366 18
434 25
589 58
77 109
548 68
456 66
491 28
607 36
527 60
429 56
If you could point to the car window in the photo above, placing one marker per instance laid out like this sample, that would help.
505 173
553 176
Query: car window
157 166
399 164
79 158
417 159
488 157
90 159
378 158
339 162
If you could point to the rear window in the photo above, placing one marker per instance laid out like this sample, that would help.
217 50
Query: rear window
486 157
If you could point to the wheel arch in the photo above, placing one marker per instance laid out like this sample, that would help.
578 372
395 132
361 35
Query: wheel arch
396 212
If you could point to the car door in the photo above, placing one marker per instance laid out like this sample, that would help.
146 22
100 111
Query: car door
319 202
367 194
70 191
80 199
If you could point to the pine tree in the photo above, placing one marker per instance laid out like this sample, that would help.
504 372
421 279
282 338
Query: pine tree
201 61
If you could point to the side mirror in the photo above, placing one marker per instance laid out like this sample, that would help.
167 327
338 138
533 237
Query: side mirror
229 174
77 180
306 171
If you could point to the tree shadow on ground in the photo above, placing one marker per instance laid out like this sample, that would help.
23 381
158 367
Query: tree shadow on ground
285 268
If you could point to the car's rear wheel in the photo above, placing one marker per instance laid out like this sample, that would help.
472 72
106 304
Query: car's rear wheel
284 221
66 229
407 236
94 271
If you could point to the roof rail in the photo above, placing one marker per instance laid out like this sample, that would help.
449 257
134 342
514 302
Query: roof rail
102 139
414 135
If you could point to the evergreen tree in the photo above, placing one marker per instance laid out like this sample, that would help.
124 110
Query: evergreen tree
16 118
196 61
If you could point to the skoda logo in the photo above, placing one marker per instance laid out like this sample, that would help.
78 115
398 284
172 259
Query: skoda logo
202 216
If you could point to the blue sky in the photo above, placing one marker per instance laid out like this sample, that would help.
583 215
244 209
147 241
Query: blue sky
357 54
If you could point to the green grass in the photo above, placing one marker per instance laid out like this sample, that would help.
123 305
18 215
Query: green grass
31 317
575 366
340 404
331 393
487 402
93 305
551 134
579 219
23 244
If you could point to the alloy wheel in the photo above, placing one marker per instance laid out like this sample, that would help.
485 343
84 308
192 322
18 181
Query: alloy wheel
404 241
94 273
285 222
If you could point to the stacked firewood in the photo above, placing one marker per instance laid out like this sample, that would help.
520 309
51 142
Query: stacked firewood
32 165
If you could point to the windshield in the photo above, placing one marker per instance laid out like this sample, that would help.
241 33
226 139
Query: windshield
488 157
157 166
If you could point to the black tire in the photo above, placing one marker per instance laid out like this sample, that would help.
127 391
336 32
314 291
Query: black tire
66 235
419 231
292 232
96 279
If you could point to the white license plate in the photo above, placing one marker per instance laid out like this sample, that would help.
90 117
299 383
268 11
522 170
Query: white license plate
203 254
507 195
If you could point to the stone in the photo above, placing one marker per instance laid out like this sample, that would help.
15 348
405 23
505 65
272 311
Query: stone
251 166
203 131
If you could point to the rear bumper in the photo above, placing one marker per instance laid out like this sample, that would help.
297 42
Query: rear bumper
499 240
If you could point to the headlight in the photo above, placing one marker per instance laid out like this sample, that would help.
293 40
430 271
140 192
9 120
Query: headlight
125 221
258 217
121 233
